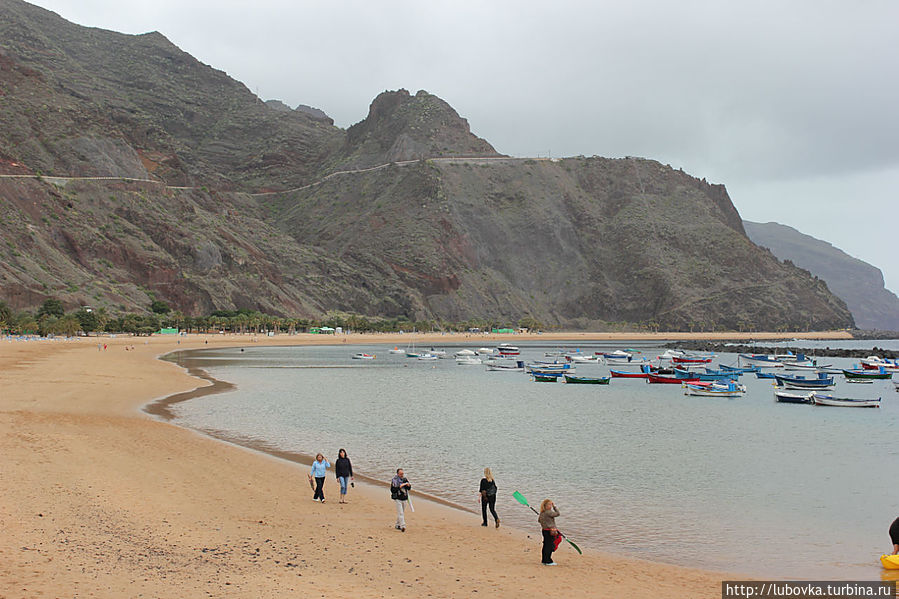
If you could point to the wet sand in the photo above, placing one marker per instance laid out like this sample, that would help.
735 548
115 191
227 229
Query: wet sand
100 499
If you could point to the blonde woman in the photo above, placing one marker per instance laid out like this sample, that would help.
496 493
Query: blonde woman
551 535
488 497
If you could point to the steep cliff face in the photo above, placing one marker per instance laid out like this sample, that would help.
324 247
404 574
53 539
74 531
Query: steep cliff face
459 232
571 242
858 283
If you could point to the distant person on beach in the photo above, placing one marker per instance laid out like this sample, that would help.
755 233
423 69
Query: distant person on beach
894 536
319 469
488 497
343 469
551 535
399 492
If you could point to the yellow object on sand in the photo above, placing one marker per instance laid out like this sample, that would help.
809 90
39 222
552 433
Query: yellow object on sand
890 562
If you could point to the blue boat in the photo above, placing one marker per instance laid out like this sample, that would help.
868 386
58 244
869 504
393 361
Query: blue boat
702 376
820 382
764 375
738 368
727 373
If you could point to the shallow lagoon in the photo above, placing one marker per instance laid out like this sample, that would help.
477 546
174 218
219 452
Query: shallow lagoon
745 485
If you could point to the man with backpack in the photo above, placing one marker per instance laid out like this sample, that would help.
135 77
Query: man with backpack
399 492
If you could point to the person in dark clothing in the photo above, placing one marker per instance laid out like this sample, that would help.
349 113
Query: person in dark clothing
399 492
488 497
894 536
551 535
343 469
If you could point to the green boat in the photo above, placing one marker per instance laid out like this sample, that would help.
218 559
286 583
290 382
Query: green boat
867 374
542 378
587 380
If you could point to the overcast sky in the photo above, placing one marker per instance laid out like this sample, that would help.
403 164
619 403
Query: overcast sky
792 104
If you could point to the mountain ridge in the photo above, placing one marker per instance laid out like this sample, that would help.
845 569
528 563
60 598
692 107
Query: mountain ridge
570 242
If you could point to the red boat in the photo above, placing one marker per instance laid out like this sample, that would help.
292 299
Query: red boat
677 360
656 378
627 375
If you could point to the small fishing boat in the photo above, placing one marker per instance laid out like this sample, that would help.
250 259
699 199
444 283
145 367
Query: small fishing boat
440 353
714 390
397 350
764 375
555 373
861 381
759 360
627 375
824 399
540 378
724 373
787 397
468 361
587 380
651 377
628 361
702 376
584 359
690 360
800 382
548 366
867 374
497 366
742 369
506 350
465 353
486 351
361 356
427 357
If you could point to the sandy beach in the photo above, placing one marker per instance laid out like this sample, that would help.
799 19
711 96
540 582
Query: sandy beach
100 499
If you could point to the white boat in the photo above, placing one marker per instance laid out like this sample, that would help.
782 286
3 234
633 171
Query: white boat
465 352
508 366
468 361
824 399
397 350
437 352
584 359
672 353
427 357
629 361
505 349
361 356
485 351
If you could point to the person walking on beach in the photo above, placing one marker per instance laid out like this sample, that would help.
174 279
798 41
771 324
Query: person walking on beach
488 497
551 535
343 469
319 469
894 536
399 492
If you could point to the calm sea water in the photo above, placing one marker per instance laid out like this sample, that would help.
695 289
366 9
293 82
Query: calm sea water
745 485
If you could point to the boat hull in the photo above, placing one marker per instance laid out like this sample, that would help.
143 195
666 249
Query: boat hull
587 380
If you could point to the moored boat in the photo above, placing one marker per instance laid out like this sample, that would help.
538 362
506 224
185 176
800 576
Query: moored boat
824 399
586 380
714 390
467 361
820 382
651 377
497 366
627 375
361 356
867 374
787 397
397 350
540 378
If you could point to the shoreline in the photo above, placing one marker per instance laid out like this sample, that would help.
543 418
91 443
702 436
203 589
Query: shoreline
103 499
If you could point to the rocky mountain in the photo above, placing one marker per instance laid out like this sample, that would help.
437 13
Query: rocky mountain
858 283
219 200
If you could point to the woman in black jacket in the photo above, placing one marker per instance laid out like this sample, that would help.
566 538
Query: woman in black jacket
488 497
343 468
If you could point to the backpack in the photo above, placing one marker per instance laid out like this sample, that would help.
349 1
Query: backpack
491 490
